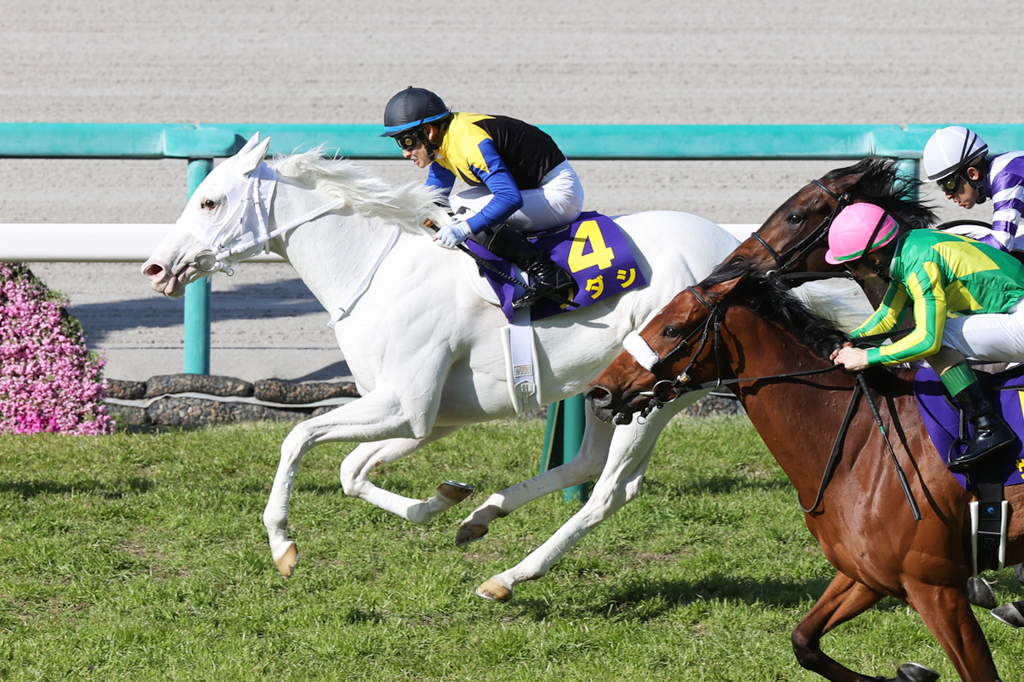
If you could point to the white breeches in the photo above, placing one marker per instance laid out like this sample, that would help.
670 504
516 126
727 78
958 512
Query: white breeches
988 337
557 201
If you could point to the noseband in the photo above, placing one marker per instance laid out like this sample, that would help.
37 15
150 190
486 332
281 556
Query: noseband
666 391
786 261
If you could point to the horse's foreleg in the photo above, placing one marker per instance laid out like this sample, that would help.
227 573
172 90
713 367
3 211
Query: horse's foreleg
948 614
844 599
584 467
356 468
629 455
378 415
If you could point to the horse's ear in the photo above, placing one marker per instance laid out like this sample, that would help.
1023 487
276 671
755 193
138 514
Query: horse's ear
249 145
247 159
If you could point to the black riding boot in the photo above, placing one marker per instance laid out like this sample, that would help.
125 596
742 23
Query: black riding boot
990 431
548 279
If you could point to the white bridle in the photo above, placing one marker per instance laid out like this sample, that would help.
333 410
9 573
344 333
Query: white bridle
245 230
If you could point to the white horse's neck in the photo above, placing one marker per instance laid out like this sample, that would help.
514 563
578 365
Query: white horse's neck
335 253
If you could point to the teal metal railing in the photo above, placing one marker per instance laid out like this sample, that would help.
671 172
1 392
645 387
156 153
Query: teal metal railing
201 143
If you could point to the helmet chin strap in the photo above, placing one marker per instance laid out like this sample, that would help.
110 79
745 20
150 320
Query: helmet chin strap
878 268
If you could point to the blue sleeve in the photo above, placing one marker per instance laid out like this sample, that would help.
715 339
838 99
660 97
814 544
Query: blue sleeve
440 177
506 198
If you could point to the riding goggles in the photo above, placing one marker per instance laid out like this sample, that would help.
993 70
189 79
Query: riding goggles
410 139
949 184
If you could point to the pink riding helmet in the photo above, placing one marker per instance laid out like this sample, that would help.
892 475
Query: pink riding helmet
850 231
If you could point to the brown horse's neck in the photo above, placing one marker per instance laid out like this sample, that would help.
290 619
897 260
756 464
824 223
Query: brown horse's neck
798 418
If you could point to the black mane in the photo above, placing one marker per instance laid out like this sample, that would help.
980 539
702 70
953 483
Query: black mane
881 183
774 302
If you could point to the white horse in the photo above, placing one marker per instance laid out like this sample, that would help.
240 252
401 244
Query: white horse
423 346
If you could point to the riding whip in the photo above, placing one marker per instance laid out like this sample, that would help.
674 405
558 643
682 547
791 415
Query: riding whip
881 427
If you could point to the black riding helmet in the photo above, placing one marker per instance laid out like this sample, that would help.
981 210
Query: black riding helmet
410 109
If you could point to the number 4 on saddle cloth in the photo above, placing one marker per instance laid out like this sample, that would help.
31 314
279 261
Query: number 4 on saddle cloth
593 250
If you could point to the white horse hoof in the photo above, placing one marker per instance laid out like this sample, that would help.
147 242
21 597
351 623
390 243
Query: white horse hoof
455 491
287 562
491 589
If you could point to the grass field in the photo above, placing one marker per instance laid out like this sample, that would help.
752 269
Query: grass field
143 557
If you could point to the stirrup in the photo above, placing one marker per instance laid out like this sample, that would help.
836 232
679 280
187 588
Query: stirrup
535 294
981 446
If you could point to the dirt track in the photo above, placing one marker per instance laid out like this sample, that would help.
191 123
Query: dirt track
596 62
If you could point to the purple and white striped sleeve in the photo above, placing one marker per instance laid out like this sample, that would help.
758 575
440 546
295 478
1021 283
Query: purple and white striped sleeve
1006 182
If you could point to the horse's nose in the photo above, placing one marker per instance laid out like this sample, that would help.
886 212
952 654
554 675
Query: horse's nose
153 270
598 396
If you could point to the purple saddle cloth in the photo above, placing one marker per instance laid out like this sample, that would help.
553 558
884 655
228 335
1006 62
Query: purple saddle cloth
943 423
593 250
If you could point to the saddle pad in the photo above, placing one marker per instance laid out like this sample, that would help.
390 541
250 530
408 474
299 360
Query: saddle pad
943 423
593 250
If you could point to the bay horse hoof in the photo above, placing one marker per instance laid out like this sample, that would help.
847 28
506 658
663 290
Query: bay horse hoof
1011 614
979 593
491 589
287 562
912 672
469 532
454 490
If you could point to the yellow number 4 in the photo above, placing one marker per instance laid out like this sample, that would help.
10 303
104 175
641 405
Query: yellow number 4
600 254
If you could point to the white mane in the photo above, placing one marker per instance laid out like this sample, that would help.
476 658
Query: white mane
406 205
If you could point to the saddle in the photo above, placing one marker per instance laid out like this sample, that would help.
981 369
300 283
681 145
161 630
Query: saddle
593 250
950 431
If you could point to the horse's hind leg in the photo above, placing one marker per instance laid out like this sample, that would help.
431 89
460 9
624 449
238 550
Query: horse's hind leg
948 614
620 480
584 467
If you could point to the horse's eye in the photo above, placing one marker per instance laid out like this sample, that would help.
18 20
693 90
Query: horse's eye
794 218
670 333
209 204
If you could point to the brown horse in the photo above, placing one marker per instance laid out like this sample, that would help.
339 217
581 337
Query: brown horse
739 323
792 242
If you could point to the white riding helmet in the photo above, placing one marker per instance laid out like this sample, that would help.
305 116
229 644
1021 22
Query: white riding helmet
949 150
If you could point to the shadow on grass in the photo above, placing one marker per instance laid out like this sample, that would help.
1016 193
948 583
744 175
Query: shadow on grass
718 485
29 489
647 600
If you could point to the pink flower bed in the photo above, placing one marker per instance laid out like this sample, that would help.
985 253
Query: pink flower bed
49 381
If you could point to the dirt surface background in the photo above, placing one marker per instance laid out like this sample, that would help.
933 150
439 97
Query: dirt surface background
225 61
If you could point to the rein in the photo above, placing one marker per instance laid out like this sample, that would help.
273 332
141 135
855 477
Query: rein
681 384
796 253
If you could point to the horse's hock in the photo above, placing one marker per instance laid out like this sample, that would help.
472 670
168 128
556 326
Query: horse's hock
194 400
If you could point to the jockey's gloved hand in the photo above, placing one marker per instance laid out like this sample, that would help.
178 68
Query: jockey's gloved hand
454 234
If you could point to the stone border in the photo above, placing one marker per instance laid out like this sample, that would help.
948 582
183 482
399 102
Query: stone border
190 401
210 399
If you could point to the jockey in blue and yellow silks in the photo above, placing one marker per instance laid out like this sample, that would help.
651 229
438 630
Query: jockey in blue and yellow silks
965 297
519 180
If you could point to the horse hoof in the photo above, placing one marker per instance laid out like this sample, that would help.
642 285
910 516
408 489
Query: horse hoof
1011 614
912 672
454 490
469 532
492 590
980 593
287 562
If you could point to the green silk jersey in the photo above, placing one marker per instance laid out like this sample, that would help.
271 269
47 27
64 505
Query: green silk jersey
938 275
